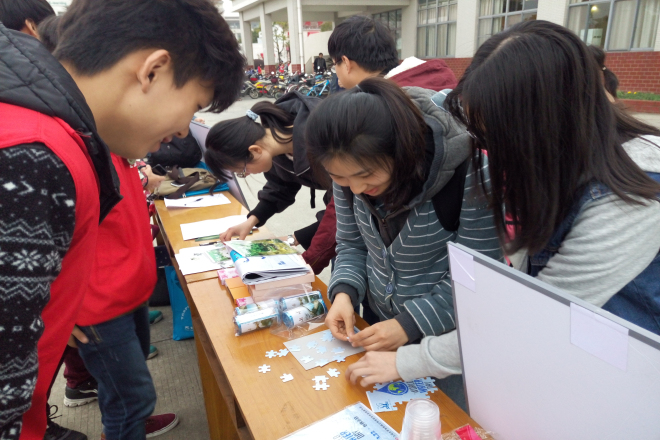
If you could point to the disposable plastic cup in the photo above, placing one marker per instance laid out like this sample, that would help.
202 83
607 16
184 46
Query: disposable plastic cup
422 421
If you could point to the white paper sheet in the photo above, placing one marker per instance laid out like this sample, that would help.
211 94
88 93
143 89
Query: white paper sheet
257 270
353 422
462 267
190 231
599 336
323 347
195 260
197 201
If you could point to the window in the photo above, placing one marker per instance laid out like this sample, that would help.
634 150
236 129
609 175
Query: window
392 20
497 15
436 28
234 24
615 24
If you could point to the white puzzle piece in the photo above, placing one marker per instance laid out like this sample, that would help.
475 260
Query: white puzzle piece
264 368
306 359
333 372
271 354
327 336
387 395
313 343
286 377
321 386
320 379
283 352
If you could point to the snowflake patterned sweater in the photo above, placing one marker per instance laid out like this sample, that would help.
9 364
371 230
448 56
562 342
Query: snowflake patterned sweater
56 182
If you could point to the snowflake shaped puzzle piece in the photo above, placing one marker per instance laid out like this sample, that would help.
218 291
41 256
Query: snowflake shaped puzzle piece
307 359
321 349
283 352
327 336
271 354
286 377
339 358
318 379
311 344
333 372
264 368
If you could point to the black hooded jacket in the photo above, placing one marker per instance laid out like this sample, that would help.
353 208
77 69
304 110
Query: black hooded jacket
287 176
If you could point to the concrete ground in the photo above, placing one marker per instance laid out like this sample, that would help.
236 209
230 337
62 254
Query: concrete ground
175 370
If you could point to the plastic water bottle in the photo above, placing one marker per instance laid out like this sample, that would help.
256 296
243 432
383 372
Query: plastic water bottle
422 421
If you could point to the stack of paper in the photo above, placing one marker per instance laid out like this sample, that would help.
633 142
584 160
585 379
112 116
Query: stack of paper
256 270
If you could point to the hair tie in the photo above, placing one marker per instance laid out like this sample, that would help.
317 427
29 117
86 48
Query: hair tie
252 115
604 68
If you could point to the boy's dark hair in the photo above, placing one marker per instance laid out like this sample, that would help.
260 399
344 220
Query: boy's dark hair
533 98
228 141
95 35
13 13
365 41
48 32
377 127
610 80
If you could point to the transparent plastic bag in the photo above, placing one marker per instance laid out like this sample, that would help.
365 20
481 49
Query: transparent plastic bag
300 314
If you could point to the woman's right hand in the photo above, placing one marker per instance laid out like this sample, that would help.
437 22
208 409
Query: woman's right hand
341 317
241 230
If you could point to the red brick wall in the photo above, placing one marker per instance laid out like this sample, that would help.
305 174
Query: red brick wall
458 65
637 105
637 71
295 68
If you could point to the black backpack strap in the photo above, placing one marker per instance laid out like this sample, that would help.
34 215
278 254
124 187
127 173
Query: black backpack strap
348 194
449 200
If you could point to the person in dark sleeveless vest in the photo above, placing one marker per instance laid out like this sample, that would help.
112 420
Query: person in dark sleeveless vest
58 123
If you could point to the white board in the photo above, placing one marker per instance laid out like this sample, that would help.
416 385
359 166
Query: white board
200 132
525 379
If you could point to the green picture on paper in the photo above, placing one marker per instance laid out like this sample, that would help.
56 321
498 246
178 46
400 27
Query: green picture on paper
256 248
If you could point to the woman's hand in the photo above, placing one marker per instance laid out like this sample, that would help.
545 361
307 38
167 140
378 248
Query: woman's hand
374 367
241 230
383 336
341 318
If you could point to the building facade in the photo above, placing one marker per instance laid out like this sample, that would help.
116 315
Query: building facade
453 29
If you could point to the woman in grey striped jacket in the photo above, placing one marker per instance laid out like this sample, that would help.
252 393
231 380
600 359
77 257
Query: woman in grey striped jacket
395 150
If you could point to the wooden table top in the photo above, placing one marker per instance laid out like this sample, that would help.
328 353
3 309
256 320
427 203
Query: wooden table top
170 221
271 408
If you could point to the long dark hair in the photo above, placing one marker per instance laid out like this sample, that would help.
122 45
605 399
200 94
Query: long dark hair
533 99
228 141
377 126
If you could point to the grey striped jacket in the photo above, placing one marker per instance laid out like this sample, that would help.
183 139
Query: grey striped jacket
411 276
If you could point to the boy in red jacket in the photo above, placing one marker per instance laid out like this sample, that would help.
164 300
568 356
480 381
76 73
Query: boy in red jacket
131 73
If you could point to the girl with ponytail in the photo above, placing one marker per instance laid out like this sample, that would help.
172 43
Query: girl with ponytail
276 147
397 162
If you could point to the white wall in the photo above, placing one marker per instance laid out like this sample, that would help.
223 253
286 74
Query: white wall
409 30
553 10
466 28
314 44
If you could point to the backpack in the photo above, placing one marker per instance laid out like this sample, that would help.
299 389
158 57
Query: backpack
447 203
184 153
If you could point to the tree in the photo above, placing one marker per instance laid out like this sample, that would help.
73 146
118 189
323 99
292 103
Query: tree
255 33
280 38
326 26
